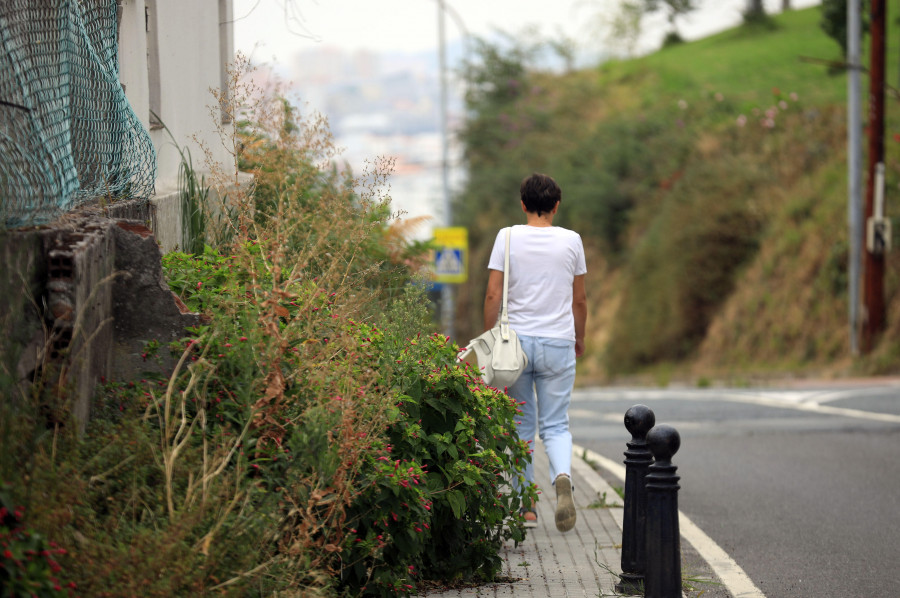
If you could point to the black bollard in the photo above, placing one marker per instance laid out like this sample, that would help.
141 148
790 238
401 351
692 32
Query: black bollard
662 578
638 420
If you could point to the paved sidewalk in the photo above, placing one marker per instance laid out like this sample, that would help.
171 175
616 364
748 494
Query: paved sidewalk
583 562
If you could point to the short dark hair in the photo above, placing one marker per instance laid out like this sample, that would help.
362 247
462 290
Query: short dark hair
539 193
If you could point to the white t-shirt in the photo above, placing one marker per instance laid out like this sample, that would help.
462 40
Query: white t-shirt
543 262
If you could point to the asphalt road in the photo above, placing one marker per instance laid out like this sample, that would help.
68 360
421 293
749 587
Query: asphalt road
800 486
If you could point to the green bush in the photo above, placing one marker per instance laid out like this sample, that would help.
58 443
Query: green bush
684 268
433 494
381 463
463 434
288 446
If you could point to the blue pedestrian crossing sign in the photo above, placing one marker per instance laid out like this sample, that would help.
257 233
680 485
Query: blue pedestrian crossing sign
451 256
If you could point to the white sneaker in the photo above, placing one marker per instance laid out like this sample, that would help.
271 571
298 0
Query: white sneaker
565 505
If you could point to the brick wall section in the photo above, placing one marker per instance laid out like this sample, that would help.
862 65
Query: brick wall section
80 270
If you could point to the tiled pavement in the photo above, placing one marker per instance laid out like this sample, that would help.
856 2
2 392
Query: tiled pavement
583 562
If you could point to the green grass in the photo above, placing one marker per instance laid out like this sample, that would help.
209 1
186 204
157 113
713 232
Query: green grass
705 85
746 63
749 62
602 502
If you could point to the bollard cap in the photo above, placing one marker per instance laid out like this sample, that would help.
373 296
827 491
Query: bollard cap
638 420
664 442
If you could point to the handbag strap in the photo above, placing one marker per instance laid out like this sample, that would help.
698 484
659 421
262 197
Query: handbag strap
504 315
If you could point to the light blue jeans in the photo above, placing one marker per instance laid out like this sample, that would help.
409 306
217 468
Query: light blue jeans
546 389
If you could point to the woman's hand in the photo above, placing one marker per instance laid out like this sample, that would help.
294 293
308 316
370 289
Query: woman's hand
579 347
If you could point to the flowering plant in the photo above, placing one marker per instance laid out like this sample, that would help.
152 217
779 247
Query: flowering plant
462 434
27 563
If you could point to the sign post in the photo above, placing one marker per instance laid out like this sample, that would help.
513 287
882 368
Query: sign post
451 258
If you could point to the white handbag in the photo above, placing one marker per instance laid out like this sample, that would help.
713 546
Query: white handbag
499 352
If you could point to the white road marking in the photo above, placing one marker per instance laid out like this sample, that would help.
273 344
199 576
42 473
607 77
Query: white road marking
733 577
809 401
735 580
811 406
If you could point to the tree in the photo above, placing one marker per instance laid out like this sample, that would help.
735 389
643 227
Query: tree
675 9
756 12
625 26
785 5
834 21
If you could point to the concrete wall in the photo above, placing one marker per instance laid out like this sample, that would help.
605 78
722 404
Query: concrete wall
22 276
84 295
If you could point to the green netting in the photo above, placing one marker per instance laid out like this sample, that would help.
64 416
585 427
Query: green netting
67 133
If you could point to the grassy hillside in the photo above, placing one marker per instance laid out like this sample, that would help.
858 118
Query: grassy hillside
709 183
746 62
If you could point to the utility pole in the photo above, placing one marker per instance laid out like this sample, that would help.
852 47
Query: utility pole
873 267
447 307
854 167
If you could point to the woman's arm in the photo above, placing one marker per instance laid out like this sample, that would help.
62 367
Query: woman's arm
579 310
493 298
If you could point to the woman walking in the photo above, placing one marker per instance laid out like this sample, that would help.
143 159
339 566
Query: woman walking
547 308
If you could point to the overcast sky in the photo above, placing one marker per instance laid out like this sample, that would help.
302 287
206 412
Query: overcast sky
274 30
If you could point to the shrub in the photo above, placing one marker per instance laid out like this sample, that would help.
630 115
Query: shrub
684 269
421 488
283 453
463 433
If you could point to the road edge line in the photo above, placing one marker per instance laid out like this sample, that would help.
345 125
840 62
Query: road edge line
733 577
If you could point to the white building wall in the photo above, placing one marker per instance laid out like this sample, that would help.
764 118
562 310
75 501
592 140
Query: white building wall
189 67
133 59
192 46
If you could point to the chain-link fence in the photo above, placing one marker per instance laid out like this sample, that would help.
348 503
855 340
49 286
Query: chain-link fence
67 132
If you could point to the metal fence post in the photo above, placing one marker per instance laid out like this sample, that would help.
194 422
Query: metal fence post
638 420
663 575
